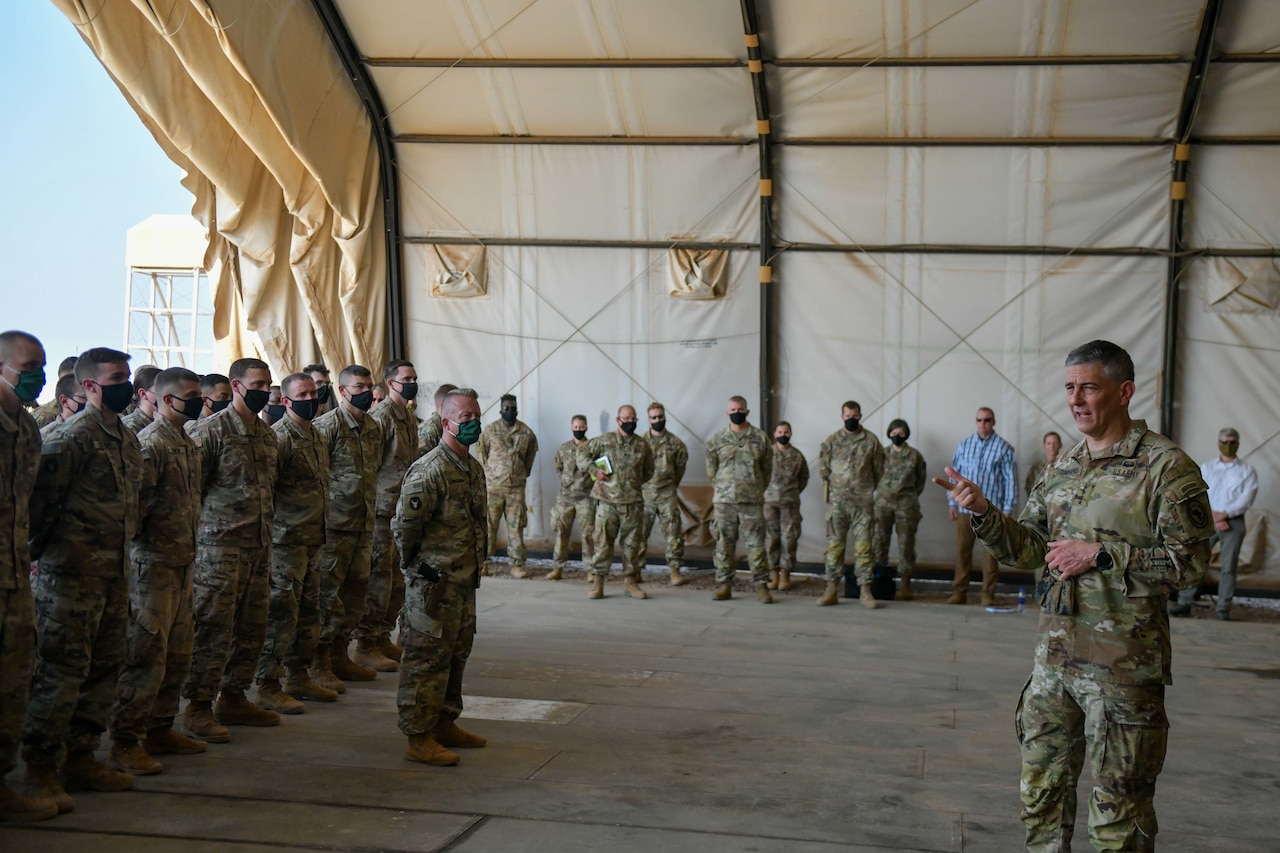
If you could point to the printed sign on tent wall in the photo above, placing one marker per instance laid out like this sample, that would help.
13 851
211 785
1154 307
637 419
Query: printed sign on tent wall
457 271
699 274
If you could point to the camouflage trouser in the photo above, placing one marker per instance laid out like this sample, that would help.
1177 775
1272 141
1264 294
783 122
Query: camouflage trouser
508 502
293 615
747 520
845 519
622 522
17 658
905 517
436 649
1124 730
563 514
666 508
781 533
345 561
158 652
232 594
81 620
386 585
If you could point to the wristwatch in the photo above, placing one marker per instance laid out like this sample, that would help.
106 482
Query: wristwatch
1103 561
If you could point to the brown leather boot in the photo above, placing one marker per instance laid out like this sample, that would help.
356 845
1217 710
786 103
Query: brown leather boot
762 594
555 574
83 772
784 580
368 655
723 592
677 579
322 672
300 686
830 595
390 650
868 600
15 808
167 741
271 697
345 668
132 759
957 598
42 784
232 709
424 750
200 722
905 593
597 587
773 579
449 734
633 589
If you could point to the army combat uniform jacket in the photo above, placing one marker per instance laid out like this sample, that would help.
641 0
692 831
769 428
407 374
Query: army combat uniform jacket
632 460
790 476
355 455
739 465
851 464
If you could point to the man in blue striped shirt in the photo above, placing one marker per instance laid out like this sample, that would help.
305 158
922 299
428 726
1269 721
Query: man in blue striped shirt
987 459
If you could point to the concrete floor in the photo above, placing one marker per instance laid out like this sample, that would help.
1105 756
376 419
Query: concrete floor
680 723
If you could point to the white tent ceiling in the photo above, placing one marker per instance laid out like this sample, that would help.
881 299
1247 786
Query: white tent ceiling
956 193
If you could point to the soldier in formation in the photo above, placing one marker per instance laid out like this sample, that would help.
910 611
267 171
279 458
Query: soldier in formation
661 498
506 450
739 465
782 507
144 399
430 432
897 504
573 501
621 462
850 463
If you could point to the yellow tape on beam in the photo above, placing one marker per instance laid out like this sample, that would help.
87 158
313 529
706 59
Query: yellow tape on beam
1178 191
762 127
1182 152
766 187
755 66
751 39
766 275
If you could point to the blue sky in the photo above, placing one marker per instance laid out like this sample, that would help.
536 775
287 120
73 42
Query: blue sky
77 170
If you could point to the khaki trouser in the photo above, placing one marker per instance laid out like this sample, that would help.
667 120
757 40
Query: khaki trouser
965 538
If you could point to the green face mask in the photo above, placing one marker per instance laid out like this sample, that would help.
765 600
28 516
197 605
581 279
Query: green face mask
1229 449
468 432
29 385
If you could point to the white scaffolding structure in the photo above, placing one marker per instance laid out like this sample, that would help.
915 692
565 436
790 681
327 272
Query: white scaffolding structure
168 304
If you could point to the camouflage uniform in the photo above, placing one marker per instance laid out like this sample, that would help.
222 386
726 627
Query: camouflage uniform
137 420
386 584
441 533
355 455
619 499
1103 652
1033 475
573 500
297 533
161 626
507 452
850 465
782 507
84 512
233 551
739 465
661 501
19 462
46 413
430 432
897 504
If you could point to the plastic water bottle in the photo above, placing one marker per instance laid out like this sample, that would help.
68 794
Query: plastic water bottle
1022 599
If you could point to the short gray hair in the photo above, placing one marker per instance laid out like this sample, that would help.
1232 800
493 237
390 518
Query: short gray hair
1115 362
1231 431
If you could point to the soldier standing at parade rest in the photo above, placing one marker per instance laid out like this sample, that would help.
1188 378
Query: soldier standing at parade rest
144 399
661 493
324 390
739 465
1111 529
215 390
573 501
161 629
506 450
782 507
84 513
21 380
898 504
850 463
71 400
430 432
233 557
297 534
441 533
621 463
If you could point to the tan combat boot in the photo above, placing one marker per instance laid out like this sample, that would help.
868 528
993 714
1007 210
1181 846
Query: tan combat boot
344 668
200 722
957 598
367 654
762 594
165 741
633 589
905 593
15 807
232 709
555 574
830 595
390 650
677 579
449 734
868 600
271 697
723 592
42 784
424 750
597 587
520 572
784 580
131 758
322 672
83 772
300 686
773 579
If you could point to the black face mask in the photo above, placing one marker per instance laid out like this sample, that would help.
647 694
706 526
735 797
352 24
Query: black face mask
898 440
363 400
659 425
851 424
509 415
256 400
216 406
408 390
305 409
79 406
783 439
738 418
322 394
275 411
579 434
628 427
189 409
117 397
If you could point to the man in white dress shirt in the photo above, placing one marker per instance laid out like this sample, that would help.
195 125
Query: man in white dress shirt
1233 484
